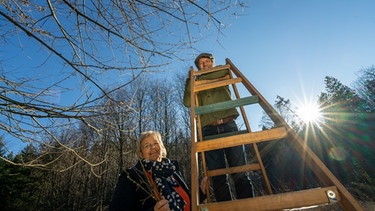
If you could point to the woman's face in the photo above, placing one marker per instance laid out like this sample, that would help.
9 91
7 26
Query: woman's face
150 149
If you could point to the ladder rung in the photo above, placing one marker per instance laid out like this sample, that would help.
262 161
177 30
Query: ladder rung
200 82
225 135
214 69
242 139
231 170
226 105
216 84
290 200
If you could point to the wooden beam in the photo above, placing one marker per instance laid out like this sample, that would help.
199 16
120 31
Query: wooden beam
200 82
297 199
231 170
242 139
216 84
226 105
214 69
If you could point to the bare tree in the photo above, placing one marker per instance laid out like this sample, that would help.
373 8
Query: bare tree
60 59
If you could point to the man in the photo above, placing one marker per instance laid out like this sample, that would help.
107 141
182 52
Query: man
218 123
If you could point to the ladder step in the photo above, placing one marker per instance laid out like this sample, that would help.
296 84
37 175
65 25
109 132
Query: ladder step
242 139
225 135
206 81
216 84
298 199
231 170
226 105
214 69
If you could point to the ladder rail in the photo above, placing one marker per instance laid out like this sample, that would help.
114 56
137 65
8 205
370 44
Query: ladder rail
197 124
243 113
262 101
255 147
194 156
262 169
322 172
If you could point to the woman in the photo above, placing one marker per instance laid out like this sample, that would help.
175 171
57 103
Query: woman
154 183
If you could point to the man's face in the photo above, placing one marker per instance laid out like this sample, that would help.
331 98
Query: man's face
205 63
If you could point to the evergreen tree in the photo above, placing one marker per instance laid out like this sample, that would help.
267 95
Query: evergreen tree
347 146
19 184
365 85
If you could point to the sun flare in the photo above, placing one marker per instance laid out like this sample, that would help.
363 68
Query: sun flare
309 113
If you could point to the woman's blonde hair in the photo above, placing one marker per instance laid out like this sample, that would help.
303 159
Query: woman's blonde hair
156 135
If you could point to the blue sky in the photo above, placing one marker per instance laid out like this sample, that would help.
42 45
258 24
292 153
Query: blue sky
287 47
284 47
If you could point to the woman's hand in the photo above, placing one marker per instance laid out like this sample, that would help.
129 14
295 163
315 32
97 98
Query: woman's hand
162 205
204 184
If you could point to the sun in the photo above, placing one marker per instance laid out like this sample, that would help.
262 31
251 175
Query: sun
309 113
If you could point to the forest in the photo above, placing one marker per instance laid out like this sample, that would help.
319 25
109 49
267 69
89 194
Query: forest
80 80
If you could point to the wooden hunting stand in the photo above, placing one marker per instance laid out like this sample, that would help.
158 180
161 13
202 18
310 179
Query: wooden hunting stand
332 192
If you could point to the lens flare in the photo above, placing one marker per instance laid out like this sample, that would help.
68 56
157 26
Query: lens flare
337 153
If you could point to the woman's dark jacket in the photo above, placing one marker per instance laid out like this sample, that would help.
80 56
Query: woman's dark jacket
129 196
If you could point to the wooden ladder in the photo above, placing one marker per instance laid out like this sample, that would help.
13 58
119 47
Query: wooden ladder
333 191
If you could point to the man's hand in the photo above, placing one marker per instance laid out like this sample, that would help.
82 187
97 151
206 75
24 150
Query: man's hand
204 184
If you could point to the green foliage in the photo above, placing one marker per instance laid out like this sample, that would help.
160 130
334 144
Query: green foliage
365 85
19 184
338 97
347 136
